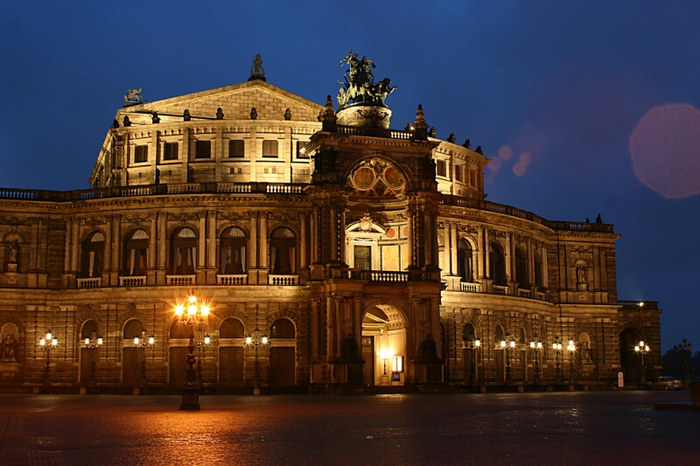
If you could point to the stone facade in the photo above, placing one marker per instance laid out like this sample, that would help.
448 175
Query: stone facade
369 256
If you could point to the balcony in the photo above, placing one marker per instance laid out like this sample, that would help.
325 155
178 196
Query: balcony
180 280
132 281
470 287
91 282
232 279
283 280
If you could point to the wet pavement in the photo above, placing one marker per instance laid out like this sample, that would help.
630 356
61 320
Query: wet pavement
514 428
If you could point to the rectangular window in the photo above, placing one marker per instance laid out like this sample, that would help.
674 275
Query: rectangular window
236 148
301 150
458 172
441 168
202 150
269 148
141 154
473 177
170 151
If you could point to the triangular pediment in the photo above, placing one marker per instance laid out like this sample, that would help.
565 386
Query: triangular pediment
236 102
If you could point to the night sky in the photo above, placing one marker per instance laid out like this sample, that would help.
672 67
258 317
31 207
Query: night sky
584 107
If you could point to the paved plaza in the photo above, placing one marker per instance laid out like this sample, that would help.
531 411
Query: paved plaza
515 428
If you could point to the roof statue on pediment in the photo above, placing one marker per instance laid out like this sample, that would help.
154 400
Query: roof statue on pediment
359 86
257 71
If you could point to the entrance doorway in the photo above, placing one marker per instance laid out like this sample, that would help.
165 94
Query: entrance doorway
383 345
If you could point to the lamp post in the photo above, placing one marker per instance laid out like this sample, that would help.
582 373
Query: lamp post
536 347
508 345
473 374
48 343
256 339
93 344
641 349
556 346
686 350
142 342
191 313
202 345
571 348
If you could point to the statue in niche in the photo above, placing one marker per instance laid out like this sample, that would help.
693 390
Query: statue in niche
13 253
9 349
428 349
349 351
359 86
581 277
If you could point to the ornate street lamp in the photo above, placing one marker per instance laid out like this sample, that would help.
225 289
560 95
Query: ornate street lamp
557 347
474 373
48 343
256 339
202 344
686 350
536 347
93 344
142 342
191 313
641 349
571 348
508 345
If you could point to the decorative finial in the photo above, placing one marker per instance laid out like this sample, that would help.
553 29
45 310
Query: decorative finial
467 144
253 113
421 125
219 114
115 124
432 133
451 138
478 150
127 122
329 119
257 71
186 115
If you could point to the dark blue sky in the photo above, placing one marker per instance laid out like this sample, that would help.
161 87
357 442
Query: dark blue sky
566 83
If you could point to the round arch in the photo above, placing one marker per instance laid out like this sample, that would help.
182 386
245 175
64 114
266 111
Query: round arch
383 344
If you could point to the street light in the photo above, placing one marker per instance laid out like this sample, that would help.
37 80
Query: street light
686 350
556 346
536 346
142 342
202 344
93 344
256 339
508 345
48 343
641 349
191 313
474 374
571 348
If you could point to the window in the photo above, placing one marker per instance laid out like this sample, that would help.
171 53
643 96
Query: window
363 257
202 150
92 256
231 328
236 148
441 168
282 328
301 150
521 267
497 265
141 154
269 148
464 260
283 244
135 254
170 151
459 169
183 252
232 258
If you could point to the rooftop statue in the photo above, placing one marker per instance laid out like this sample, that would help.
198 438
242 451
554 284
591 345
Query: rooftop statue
133 97
257 71
359 86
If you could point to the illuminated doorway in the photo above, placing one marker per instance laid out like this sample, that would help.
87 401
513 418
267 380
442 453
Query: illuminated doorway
384 345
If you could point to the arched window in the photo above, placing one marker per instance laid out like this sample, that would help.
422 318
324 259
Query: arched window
132 329
464 261
499 335
183 252
136 254
497 264
89 330
179 330
92 255
468 334
282 328
232 252
521 267
283 247
539 281
231 328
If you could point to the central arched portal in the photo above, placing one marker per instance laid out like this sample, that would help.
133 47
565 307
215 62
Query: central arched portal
384 345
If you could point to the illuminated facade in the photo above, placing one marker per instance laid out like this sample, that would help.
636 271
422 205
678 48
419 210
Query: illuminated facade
334 252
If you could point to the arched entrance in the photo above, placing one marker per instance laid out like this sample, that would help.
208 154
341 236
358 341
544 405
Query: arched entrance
630 362
384 345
